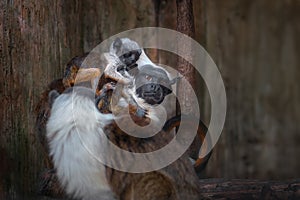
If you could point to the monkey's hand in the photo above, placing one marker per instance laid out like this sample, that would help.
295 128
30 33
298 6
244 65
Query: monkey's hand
114 70
136 109
139 114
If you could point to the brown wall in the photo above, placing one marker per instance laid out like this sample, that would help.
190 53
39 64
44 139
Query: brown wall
254 43
256 46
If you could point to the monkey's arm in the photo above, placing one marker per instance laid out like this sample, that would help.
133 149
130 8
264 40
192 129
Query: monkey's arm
111 69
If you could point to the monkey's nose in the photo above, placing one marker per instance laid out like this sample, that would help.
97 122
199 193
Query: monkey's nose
153 87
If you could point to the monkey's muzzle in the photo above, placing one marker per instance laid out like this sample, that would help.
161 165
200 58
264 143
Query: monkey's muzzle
153 93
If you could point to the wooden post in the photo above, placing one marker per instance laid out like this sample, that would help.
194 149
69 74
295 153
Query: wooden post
185 25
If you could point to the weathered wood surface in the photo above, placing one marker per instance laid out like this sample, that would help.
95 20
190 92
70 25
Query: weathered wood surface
236 189
37 38
185 25
256 46
250 189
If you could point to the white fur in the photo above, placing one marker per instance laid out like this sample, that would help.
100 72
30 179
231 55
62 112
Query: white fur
74 131
133 45
130 45
145 60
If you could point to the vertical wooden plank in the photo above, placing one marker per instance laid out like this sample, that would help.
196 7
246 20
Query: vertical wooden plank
255 45
35 41
185 25
37 38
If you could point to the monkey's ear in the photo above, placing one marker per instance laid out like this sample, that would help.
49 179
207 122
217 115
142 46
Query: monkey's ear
53 94
117 44
166 90
175 80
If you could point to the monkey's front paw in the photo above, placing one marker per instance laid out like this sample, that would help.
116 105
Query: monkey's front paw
139 115
140 112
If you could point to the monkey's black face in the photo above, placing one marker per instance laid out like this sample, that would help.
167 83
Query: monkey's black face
129 61
129 58
153 93
153 84
128 52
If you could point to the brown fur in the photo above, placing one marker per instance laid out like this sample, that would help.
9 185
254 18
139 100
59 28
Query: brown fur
42 112
176 181
72 69
49 184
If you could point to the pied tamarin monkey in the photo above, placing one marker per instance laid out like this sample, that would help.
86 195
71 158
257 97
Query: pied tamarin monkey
84 177
176 181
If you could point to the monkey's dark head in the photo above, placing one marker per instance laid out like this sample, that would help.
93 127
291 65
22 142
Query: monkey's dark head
128 52
153 84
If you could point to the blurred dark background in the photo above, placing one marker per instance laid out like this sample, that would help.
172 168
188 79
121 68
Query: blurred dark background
255 44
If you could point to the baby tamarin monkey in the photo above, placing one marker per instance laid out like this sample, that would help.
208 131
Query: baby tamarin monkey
121 63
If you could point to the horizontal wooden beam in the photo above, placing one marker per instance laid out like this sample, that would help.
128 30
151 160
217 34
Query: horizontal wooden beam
250 189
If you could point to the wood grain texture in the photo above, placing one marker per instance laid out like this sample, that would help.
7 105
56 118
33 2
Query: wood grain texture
185 25
255 45
37 38
250 189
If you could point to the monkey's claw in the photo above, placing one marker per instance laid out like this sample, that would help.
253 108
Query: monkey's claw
107 87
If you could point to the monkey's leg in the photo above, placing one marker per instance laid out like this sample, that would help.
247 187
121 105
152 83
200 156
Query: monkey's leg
202 138
151 186
50 185
111 72
81 75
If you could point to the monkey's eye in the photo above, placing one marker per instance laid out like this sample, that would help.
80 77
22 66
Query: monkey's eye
149 78
127 55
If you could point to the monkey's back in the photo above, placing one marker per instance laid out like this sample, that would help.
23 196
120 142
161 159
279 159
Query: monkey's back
176 181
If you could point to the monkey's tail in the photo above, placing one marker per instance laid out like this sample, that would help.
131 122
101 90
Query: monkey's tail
193 151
